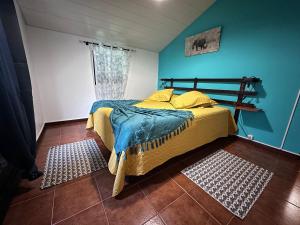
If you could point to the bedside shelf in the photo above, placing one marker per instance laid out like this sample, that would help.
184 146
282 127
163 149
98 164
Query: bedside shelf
247 108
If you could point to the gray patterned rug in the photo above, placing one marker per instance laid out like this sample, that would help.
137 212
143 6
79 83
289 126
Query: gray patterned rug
69 161
232 181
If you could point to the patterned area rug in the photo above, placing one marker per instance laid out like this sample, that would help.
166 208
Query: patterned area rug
69 161
232 181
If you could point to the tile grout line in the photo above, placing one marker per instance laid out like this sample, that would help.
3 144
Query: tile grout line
157 213
44 193
198 203
75 213
204 209
29 199
162 219
146 196
284 199
291 203
267 216
171 202
102 202
170 178
230 220
52 211
168 206
135 184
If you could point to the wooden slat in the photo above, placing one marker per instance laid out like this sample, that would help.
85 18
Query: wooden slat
215 91
225 102
233 103
242 106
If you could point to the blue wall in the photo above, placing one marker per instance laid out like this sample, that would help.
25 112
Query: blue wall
259 38
292 141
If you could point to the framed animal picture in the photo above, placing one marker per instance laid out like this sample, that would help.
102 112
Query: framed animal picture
207 41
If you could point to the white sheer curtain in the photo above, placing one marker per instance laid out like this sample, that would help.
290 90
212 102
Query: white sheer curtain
111 72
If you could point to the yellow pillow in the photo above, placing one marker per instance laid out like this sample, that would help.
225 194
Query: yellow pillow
173 97
192 99
162 95
213 102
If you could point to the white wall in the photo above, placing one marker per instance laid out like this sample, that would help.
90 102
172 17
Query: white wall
142 76
63 68
64 71
39 118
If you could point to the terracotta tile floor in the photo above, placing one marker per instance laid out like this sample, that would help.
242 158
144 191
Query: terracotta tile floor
163 196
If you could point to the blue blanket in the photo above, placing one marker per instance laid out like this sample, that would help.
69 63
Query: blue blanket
111 104
140 128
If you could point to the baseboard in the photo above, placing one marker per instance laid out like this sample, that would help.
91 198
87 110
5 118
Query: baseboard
40 132
271 147
47 124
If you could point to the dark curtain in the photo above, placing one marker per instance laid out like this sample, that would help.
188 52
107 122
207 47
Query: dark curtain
18 141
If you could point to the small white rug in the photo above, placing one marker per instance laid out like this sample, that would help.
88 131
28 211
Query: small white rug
69 161
232 181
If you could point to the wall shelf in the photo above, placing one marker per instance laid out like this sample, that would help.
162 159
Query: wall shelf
249 109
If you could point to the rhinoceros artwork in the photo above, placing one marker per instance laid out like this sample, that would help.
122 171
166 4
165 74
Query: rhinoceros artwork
207 41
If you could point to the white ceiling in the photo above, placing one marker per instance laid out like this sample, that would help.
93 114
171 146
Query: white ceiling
146 24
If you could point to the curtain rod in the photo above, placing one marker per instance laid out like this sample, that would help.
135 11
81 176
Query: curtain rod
109 46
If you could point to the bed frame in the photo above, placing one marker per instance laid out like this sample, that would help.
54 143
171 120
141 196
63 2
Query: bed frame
241 93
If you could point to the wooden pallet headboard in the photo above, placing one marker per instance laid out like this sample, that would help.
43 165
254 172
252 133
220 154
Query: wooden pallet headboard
241 93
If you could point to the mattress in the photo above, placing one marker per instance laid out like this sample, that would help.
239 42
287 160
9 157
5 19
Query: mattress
208 125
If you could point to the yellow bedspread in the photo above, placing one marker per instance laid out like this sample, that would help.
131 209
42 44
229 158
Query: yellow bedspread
208 125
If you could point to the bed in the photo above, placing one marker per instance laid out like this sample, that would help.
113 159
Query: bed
209 123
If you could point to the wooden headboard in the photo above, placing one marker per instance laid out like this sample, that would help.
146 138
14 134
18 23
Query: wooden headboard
241 93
